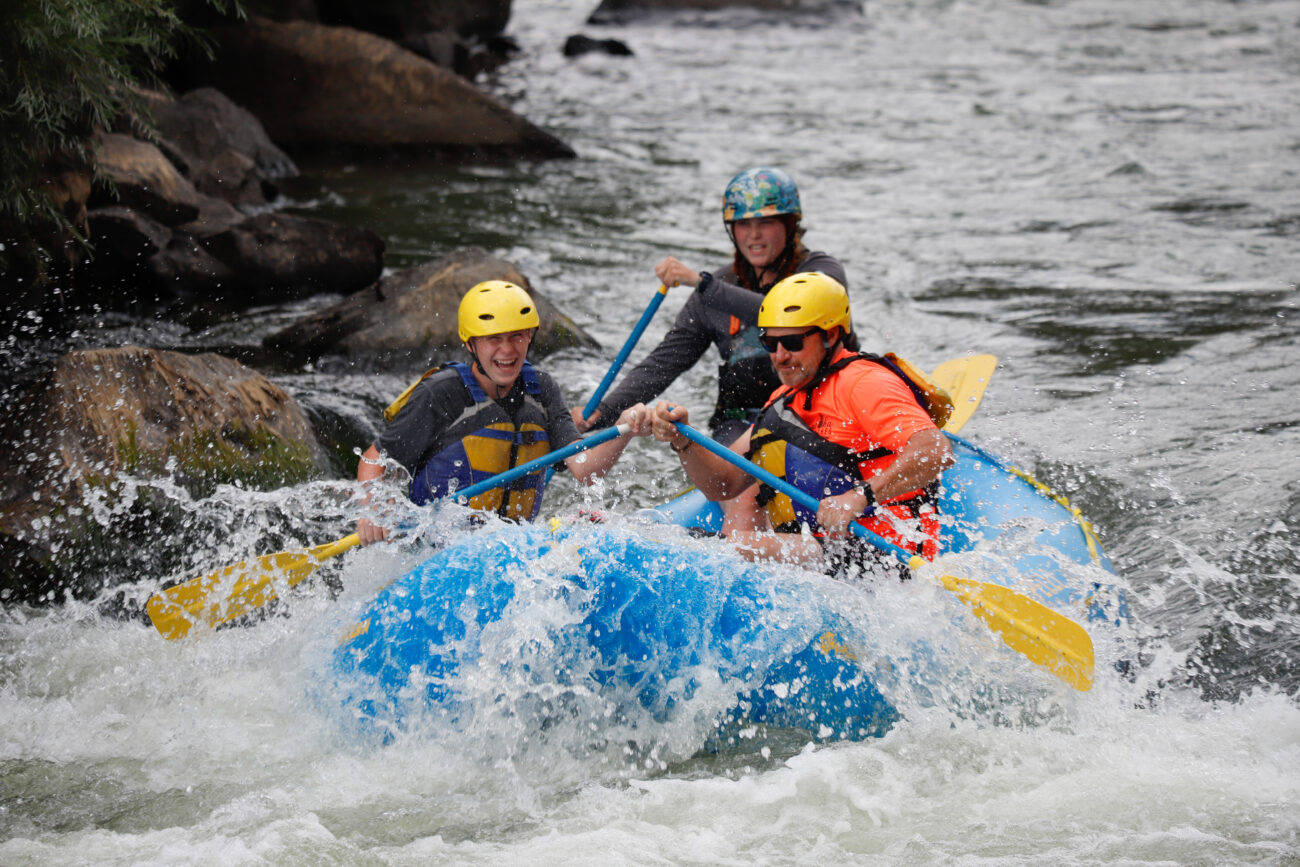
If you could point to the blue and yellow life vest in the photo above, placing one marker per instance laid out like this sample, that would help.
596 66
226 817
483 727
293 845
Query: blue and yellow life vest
485 441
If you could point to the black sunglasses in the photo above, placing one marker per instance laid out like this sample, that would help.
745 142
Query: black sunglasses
791 342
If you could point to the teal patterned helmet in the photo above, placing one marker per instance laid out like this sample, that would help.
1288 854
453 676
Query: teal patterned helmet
760 193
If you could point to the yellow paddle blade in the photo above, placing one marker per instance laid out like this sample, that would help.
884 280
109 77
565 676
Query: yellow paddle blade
965 380
233 591
1029 627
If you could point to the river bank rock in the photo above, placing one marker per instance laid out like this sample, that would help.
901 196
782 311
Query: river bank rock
140 177
164 225
294 256
221 147
464 36
579 44
101 417
407 320
315 86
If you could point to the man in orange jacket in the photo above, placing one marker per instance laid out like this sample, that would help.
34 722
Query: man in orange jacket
843 426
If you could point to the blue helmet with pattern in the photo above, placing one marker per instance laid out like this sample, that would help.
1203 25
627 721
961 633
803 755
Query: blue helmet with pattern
760 192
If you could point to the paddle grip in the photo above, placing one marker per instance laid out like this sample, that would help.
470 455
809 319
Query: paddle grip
527 467
786 488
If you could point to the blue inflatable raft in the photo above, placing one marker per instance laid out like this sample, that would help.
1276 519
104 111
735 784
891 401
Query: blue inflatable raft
643 621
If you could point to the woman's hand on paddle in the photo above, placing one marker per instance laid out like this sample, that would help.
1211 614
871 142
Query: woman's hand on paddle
673 273
584 424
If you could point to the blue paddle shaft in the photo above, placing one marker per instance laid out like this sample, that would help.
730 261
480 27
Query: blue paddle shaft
524 469
623 353
785 487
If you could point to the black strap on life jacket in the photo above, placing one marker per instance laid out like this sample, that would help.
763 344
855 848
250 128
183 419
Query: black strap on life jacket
833 453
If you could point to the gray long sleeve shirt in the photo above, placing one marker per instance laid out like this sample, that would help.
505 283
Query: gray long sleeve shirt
725 315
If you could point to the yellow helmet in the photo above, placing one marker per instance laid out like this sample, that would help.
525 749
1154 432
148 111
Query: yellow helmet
807 299
495 307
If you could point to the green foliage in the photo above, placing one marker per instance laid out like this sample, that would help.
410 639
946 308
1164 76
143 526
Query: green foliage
67 67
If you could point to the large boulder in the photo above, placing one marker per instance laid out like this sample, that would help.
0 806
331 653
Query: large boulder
101 417
223 257
313 86
142 179
407 320
123 242
225 151
206 124
296 256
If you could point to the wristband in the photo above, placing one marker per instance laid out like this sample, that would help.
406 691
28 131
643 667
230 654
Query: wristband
865 490
682 450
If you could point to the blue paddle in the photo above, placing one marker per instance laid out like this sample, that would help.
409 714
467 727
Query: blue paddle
1027 626
623 353
252 583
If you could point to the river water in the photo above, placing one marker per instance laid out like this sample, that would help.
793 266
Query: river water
1103 193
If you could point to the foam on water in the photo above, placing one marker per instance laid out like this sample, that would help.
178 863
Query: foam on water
141 750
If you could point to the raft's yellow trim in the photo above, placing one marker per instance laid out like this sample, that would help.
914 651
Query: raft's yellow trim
355 632
829 643
1089 534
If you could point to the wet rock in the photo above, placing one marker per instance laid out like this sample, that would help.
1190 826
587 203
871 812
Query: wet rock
467 58
85 434
185 269
445 49
144 179
407 321
221 148
318 86
577 45
297 256
215 216
206 124
122 242
623 11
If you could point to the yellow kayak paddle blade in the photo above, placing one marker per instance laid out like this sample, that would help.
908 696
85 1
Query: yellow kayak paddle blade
1029 627
965 380
233 591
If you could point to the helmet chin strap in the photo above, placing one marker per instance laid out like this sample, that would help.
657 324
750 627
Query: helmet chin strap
830 348
481 369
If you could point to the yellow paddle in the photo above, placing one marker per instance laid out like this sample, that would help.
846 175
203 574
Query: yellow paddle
252 584
965 380
1027 626
233 591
